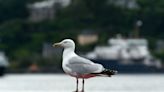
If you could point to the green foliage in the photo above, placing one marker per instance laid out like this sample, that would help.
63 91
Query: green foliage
152 14
160 55
23 40
11 9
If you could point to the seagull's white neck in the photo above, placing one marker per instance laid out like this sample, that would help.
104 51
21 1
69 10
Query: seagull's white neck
68 53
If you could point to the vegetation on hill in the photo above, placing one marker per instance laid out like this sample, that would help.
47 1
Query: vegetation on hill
22 40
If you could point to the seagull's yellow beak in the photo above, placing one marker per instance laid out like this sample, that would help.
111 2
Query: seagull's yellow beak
57 45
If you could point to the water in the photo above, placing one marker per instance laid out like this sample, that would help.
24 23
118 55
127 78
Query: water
64 83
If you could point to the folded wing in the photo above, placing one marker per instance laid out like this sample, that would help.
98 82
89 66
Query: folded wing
84 66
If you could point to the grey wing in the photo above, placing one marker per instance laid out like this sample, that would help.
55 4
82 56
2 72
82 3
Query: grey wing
84 66
79 60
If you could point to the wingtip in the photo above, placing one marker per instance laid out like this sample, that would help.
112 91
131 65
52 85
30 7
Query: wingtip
110 72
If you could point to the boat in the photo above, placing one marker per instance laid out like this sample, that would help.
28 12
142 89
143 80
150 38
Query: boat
130 55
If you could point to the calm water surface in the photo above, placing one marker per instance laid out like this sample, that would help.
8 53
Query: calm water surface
64 83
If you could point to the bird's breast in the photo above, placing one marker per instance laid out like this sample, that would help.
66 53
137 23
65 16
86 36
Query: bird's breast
68 71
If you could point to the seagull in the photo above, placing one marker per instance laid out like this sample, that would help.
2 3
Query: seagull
79 67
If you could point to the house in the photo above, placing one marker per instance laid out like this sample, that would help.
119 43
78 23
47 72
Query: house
130 4
87 37
45 10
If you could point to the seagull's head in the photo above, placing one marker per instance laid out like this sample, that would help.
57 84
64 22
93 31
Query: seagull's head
66 43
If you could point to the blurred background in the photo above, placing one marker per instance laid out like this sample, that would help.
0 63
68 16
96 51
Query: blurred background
125 35
110 30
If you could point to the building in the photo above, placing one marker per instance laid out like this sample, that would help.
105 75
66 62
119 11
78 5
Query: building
45 10
87 37
130 4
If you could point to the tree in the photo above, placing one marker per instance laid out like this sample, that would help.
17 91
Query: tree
152 14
